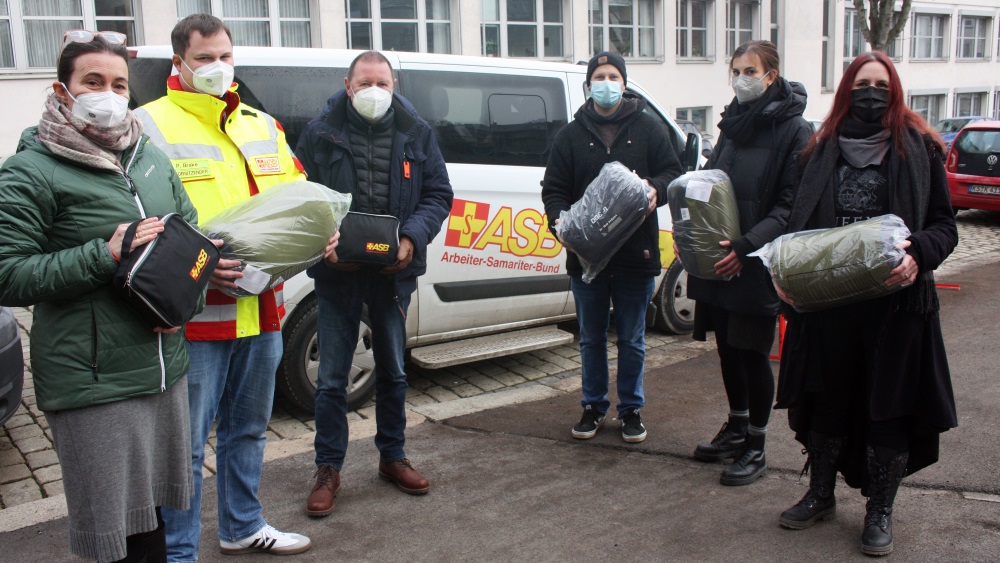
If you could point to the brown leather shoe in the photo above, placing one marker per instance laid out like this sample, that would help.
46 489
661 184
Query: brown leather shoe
327 486
404 476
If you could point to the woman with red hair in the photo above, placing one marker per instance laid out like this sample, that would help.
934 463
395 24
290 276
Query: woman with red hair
867 386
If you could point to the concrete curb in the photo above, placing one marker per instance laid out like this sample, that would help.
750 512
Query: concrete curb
53 508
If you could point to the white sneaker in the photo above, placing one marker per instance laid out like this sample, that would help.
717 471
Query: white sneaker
267 540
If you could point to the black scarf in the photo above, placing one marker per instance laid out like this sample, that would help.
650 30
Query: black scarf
738 121
910 186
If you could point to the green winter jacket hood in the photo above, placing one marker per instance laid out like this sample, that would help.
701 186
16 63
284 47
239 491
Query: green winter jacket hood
87 346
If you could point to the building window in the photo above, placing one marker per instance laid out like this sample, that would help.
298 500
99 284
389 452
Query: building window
523 28
262 23
775 6
31 32
970 103
929 31
694 19
854 42
741 23
623 26
996 104
399 25
972 37
929 107
698 116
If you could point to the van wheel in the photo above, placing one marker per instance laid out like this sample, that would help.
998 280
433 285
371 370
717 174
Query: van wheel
299 369
674 309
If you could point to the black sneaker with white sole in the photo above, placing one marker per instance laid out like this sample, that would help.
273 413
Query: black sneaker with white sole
632 429
589 423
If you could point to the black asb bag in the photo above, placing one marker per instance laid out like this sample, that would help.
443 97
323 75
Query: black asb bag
164 279
369 239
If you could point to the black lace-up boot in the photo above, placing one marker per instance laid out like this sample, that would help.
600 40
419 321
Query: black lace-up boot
749 466
727 443
818 502
884 477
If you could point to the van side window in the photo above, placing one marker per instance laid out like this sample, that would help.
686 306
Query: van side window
292 95
488 118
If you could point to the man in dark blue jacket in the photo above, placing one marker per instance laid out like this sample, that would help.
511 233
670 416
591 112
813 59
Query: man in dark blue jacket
372 144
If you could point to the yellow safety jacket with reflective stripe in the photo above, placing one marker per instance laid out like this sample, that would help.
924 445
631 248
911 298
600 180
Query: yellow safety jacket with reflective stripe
221 168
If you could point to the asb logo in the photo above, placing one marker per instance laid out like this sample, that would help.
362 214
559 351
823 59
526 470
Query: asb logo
377 247
525 233
199 265
467 221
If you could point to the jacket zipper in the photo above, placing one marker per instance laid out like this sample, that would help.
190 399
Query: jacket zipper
93 349
142 212
371 174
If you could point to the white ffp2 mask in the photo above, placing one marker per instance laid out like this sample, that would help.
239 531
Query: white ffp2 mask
213 78
100 108
372 102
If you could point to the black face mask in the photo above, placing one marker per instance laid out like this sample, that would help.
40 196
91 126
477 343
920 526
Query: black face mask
869 104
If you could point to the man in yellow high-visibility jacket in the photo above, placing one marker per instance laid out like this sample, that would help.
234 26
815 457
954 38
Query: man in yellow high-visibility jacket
225 152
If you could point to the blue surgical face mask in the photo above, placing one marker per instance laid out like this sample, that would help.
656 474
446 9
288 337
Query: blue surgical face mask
605 93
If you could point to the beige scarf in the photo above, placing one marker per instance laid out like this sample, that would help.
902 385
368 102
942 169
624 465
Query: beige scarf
83 142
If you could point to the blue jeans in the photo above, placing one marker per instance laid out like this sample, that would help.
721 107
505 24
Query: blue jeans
630 294
234 380
340 307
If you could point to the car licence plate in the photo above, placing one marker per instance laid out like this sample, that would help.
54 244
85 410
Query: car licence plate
987 190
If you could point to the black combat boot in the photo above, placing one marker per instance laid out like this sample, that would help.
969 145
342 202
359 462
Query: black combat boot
883 483
818 502
727 443
749 466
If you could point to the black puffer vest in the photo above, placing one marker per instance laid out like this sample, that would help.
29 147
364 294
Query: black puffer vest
371 146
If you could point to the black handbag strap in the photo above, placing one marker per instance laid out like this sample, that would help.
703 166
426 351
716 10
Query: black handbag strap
130 235
128 238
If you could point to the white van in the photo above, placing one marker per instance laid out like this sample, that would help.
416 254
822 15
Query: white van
496 279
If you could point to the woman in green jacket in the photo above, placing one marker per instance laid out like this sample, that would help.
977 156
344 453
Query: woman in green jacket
113 390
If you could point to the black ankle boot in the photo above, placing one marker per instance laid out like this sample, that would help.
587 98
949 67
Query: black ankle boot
883 483
727 443
749 466
818 502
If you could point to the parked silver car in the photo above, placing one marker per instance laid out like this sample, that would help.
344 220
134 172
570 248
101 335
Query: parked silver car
11 365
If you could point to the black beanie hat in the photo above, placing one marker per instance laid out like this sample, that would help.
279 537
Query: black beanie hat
607 58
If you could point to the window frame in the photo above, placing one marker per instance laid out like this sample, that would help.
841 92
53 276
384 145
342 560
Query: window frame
979 101
733 32
709 47
635 27
688 116
422 22
984 24
88 18
273 19
503 26
853 38
943 28
938 98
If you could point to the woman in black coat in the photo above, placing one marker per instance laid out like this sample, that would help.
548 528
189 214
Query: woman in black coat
762 131
867 385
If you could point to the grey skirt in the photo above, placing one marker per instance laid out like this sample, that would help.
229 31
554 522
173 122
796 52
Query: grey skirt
119 462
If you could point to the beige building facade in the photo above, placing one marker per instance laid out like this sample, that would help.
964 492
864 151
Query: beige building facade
948 55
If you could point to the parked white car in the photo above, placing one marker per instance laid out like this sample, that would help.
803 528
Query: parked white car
496 281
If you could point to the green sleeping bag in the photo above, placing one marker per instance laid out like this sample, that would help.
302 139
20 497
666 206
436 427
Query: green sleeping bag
278 233
833 267
703 210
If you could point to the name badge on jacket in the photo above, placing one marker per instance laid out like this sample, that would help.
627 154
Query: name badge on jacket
265 165
193 168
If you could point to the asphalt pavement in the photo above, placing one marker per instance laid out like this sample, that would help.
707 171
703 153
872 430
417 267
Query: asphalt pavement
509 483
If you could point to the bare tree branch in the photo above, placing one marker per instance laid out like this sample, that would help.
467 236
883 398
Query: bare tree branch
904 15
875 21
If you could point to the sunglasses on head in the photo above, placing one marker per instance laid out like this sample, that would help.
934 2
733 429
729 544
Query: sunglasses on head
84 36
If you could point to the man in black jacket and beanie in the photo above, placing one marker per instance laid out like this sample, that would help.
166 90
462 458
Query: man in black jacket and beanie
609 127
